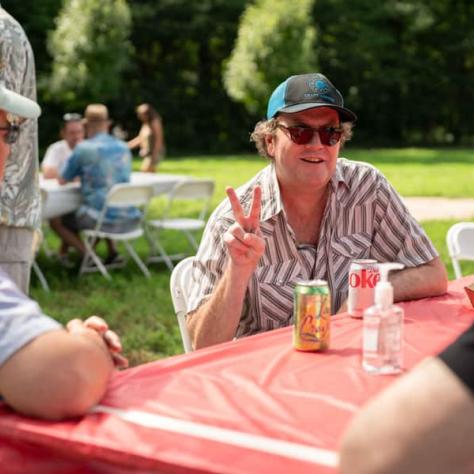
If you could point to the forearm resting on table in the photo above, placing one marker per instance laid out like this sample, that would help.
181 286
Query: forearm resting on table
217 319
423 281
50 172
423 423
57 375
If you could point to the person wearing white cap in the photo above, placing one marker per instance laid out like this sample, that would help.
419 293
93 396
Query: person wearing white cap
45 370
307 215
20 199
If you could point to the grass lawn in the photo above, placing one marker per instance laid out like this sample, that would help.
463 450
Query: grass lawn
141 310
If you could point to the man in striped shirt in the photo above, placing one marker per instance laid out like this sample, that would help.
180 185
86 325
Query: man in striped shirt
305 216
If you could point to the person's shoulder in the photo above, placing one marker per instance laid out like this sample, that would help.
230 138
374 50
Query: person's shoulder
57 146
112 140
11 28
85 147
356 172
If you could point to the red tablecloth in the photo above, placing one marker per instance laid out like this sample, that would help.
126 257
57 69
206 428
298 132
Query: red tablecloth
251 406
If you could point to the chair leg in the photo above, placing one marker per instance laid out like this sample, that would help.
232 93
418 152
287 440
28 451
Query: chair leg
158 248
40 275
137 259
191 240
456 267
151 241
90 254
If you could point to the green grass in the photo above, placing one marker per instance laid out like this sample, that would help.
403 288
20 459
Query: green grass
141 310
423 171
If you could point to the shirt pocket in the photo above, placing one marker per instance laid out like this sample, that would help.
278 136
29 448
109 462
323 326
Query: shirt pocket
274 293
354 246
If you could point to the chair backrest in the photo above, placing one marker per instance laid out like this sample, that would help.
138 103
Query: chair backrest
179 281
192 190
127 194
460 241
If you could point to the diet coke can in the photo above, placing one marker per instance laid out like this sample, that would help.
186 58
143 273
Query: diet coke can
363 276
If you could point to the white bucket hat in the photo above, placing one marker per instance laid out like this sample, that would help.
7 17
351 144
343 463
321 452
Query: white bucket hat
17 104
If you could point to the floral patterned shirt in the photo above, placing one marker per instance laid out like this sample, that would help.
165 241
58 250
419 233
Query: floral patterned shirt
20 203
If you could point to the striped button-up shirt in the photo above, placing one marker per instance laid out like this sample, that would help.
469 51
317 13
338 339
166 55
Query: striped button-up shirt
364 218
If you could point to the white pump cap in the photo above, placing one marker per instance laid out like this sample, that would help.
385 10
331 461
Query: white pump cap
383 288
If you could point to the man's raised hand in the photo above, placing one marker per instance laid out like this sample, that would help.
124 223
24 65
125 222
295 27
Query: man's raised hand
244 238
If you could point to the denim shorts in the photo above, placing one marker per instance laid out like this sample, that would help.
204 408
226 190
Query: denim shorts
77 222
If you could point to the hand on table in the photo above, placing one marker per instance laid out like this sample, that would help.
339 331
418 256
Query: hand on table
110 338
244 238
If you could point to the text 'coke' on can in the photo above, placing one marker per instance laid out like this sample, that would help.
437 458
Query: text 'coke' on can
363 276
312 315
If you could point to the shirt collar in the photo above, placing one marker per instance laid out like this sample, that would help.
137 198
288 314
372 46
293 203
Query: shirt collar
271 198
338 176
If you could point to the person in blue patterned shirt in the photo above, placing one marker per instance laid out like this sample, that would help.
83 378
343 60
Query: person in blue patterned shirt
100 161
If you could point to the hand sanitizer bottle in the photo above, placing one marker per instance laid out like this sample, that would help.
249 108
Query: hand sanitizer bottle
383 324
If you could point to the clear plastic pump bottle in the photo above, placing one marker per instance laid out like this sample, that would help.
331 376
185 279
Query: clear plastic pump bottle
382 328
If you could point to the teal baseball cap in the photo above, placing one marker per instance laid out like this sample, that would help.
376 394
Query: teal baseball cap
307 91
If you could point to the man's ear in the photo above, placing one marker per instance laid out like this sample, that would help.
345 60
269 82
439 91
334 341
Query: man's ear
270 144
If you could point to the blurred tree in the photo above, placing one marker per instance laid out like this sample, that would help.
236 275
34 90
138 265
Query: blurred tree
90 49
404 66
179 48
276 39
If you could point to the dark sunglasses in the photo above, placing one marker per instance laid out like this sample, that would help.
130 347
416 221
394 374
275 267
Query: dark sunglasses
301 135
13 131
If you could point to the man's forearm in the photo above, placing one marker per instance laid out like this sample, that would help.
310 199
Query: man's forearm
218 318
49 172
57 375
422 423
423 281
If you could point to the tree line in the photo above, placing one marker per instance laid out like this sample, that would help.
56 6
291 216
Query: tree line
405 67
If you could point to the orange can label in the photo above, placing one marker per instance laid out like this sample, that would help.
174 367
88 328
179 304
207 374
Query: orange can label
312 317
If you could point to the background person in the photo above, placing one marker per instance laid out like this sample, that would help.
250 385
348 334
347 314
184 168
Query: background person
47 371
20 200
149 139
57 154
423 422
100 161
305 216
55 158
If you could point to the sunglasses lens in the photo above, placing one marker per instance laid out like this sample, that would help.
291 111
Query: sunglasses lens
329 136
301 135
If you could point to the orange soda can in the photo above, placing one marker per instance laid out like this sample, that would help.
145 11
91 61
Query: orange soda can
312 315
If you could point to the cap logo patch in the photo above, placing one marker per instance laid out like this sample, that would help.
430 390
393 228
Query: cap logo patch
320 90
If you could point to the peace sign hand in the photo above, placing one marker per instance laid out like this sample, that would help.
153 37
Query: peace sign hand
244 238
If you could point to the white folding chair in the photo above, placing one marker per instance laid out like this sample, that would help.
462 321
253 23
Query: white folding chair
121 195
460 241
38 241
179 286
196 190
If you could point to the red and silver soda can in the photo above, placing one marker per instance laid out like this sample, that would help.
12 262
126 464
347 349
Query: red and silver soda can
363 276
